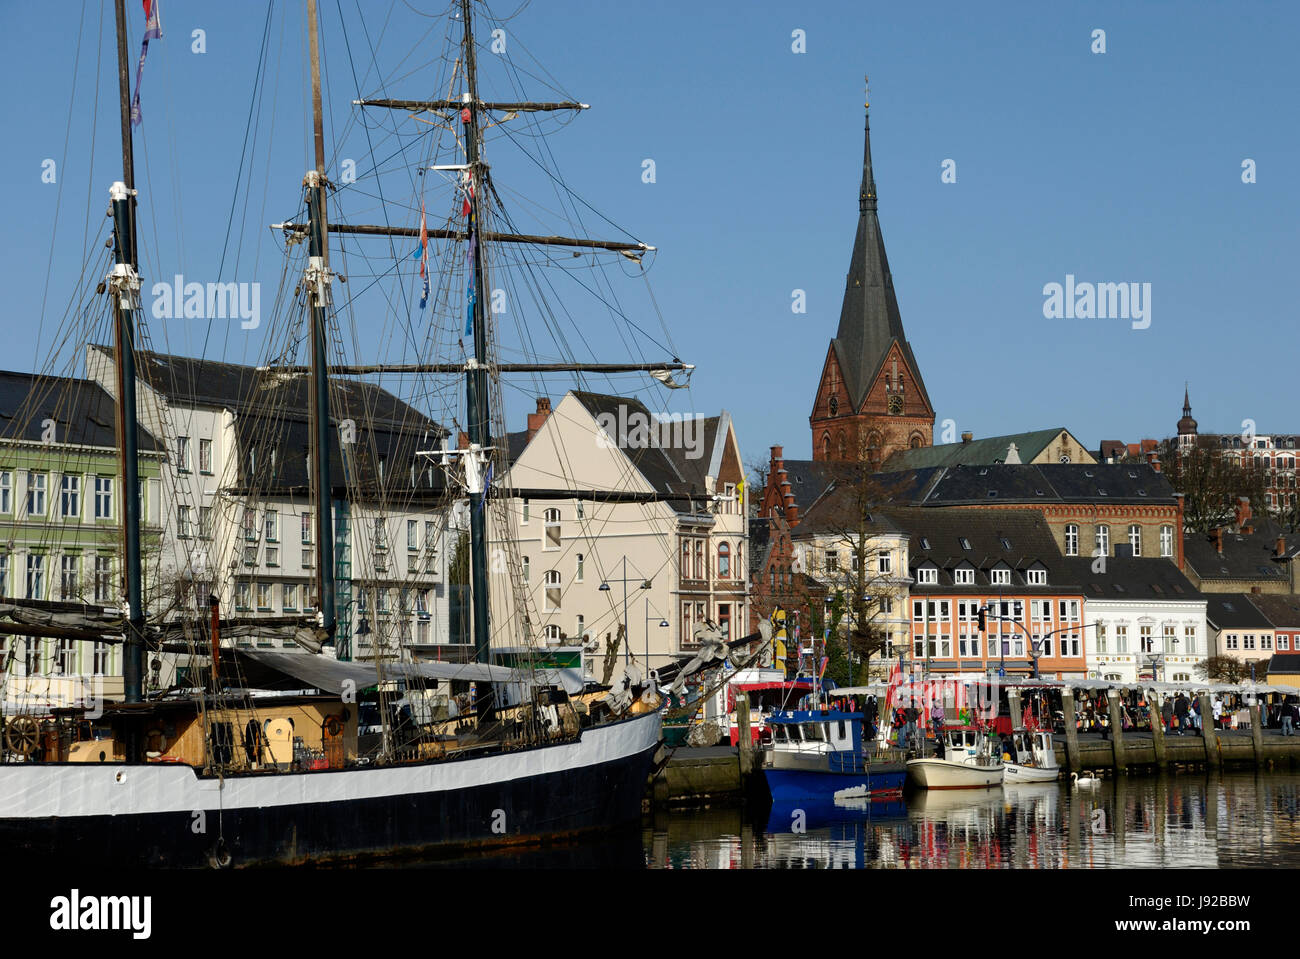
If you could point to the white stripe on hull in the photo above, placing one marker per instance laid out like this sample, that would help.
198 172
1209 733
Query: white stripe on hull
32 791
944 774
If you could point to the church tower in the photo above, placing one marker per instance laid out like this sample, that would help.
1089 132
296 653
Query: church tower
871 400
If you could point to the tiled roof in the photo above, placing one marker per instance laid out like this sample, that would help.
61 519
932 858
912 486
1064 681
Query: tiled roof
82 412
1048 482
1233 611
1281 610
981 452
1245 555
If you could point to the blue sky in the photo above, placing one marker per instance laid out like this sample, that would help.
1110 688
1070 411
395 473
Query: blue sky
1124 166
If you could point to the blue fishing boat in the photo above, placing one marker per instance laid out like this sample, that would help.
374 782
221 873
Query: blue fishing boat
823 754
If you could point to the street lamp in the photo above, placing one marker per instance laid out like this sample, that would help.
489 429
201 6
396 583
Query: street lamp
604 588
663 624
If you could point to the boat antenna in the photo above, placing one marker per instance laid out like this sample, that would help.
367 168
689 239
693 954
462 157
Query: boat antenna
316 280
124 287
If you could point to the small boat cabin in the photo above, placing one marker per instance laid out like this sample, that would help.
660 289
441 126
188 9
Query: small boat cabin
814 730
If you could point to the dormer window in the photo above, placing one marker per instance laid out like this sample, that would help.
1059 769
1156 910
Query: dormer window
927 575
965 576
1036 577
1000 577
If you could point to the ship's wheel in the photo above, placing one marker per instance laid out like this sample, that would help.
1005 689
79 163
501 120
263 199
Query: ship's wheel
22 734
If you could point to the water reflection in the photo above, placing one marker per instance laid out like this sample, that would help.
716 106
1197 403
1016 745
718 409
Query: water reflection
1166 821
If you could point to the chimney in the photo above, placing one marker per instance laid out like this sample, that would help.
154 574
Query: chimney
1155 462
967 437
1281 548
791 510
1243 511
1218 539
535 420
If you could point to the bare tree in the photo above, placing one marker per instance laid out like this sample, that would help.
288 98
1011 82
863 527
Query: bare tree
1211 483
1223 669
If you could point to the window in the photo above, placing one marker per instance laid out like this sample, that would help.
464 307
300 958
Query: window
724 561
724 620
36 494
1069 610
250 524
1103 541
264 596
103 579
35 576
525 519
552 590
1170 635
1266 642
884 561
99 661
183 522
4 576
526 567
6 491
103 497
578 575
272 526
412 534
1232 641
1135 538
308 558
1101 638
69 566
1145 641
205 456
250 555
1248 641
582 627
1070 645
430 534
1166 541
552 634
1000 577
1072 540
381 534
305 520
1283 641
1121 639
272 556
701 565
183 454
686 559
1189 641
965 576
70 497
552 534
928 575
832 560
1036 577
290 603
242 593
205 522
963 542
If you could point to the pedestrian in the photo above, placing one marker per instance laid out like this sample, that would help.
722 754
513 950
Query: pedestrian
937 718
1180 713
1167 713
1216 706
1288 716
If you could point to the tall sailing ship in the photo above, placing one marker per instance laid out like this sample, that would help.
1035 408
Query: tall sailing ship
259 755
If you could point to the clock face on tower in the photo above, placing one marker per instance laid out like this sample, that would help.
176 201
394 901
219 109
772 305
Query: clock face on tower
895 405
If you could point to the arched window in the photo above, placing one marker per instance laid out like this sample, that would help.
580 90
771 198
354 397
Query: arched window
553 634
826 446
1072 540
552 540
724 561
552 590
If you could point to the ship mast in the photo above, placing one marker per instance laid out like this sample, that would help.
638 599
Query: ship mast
316 280
124 286
476 385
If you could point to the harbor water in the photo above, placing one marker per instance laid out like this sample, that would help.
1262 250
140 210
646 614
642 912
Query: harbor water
1183 820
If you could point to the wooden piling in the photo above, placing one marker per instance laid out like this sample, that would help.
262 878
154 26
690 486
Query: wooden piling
1157 728
1209 732
746 737
1117 733
1257 734
1071 731
1013 703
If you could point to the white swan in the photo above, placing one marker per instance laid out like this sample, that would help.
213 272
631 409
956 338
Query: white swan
1087 782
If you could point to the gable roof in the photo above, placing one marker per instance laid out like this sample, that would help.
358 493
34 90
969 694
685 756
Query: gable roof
1125 578
1245 555
1282 611
1233 611
84 414
870 322
1046 482
1019 539
984 452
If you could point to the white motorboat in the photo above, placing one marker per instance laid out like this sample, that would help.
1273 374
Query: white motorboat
967 762
1034 760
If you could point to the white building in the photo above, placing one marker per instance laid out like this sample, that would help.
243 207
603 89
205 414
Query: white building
576 558
1143 620
237 512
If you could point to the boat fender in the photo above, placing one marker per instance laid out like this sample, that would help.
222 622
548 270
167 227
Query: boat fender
221 858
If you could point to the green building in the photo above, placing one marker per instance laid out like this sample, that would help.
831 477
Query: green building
60 532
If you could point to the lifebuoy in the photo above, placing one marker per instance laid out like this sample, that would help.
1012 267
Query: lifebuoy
333 726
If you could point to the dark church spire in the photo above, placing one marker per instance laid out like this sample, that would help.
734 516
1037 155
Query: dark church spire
869 317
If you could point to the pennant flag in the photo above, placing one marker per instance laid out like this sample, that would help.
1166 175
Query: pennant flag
422 254
152 31
740 496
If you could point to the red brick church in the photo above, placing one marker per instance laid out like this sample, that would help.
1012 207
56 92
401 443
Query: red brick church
871 400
